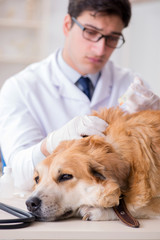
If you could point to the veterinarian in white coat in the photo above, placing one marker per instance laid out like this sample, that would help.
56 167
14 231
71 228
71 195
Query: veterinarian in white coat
39 106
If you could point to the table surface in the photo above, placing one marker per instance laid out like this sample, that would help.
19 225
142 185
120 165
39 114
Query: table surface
77 229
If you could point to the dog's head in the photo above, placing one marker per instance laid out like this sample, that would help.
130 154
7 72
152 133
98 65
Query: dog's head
79 172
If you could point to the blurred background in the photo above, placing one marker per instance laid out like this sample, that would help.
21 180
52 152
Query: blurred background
30 30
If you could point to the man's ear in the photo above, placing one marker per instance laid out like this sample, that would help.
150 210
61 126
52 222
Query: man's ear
67 24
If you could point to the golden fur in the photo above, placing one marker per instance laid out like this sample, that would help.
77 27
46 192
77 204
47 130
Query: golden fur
99 169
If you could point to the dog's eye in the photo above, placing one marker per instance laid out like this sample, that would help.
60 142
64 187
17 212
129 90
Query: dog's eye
64 177
36 179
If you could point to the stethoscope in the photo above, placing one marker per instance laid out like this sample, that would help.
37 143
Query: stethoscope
24 218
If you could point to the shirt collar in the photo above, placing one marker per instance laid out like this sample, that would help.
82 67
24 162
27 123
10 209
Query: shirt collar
73 75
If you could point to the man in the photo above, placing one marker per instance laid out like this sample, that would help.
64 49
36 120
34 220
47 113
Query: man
48 101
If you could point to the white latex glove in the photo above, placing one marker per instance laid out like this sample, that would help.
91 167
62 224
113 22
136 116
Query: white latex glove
75 129
138 98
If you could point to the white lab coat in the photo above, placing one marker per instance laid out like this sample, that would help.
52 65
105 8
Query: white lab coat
41 99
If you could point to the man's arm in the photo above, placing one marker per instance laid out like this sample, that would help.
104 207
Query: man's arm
23 143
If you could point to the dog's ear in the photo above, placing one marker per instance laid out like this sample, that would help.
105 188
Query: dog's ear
107 162
110 190
97 171
117 168
96 143
109 196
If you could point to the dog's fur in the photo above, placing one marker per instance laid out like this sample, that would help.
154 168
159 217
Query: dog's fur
86 177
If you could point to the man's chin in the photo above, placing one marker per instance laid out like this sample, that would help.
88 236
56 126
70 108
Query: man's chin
93 68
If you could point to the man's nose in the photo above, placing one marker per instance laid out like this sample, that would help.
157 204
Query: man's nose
100 47
33 204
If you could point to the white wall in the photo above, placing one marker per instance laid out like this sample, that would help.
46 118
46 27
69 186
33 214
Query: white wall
58 12
142 49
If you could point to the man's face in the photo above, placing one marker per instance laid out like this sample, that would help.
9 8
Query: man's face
84 56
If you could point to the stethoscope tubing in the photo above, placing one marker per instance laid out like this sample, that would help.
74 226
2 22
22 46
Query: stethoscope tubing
24 218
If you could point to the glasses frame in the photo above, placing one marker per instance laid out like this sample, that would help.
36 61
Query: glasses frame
101 35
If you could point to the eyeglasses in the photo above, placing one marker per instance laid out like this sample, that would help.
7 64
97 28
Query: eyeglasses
114 40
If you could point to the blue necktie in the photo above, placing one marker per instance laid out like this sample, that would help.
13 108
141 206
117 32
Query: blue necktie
85 84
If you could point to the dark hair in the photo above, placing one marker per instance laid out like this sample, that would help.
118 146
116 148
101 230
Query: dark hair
121 8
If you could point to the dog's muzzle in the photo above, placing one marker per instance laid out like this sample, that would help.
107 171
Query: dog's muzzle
36 207
33 204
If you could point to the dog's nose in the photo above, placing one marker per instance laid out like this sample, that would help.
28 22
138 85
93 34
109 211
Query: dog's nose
33 204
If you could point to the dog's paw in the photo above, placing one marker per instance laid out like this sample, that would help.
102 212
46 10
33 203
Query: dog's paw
96 214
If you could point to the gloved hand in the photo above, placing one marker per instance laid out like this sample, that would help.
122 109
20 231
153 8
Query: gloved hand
138 98
75 129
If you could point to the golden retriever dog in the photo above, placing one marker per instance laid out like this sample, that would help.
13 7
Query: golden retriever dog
87 177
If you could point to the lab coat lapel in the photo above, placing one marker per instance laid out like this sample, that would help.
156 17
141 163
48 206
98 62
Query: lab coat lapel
69 90
65 87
